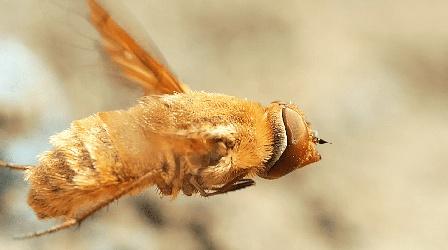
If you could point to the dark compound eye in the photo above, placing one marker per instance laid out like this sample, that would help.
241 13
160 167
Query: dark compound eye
299 150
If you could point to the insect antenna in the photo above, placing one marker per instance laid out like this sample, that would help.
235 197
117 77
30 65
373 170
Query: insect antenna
4 164
322 141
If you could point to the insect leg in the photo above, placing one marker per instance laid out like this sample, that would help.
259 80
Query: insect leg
66 224
233 185
15 166
195 183
243 183
237 179
73 221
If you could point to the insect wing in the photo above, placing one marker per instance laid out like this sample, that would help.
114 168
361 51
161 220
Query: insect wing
141 64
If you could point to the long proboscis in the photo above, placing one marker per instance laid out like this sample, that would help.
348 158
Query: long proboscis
13 166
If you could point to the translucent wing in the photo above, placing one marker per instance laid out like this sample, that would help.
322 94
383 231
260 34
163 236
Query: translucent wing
138 64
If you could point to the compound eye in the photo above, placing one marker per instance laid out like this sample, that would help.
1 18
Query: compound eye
296 129
297 147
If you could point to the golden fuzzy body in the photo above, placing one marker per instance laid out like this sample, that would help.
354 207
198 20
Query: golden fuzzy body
173 136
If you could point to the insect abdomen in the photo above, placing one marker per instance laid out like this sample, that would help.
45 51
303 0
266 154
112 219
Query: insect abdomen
83 166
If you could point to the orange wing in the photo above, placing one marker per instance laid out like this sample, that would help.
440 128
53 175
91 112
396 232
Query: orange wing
137 64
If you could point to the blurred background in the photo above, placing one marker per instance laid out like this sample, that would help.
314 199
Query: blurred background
372 77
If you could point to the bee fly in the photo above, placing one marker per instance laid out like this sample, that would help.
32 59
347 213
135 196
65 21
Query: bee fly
174 138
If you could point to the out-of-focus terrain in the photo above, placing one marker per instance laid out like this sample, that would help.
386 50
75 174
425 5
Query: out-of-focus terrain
372 77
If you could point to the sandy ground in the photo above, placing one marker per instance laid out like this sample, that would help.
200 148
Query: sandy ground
371 77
